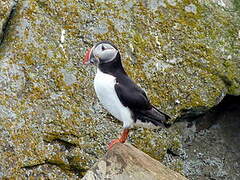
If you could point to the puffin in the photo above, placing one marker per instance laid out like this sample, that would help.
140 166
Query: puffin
119 94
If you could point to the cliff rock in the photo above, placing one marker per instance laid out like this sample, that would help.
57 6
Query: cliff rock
185 54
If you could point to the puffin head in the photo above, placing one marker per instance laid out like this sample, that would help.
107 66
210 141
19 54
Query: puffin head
101 53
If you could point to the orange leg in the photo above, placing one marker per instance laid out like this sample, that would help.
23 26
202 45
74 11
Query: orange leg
122 139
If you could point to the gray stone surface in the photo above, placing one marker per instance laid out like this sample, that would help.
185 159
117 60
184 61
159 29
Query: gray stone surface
185 55
211 143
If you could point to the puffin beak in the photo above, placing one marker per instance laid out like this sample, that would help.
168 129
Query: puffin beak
87 57
90 59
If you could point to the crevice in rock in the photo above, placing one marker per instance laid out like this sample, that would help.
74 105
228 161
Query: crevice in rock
68 167
65 167
30 167
67 145
70 164
211 142
212 116
190 115
170 152
78 170
204 119
6 25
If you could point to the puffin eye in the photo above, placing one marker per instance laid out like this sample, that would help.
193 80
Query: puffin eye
103 48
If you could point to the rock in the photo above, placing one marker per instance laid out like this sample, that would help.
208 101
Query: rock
124 161
184 54
6 12
219 129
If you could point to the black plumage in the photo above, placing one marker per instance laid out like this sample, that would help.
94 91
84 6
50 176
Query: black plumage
132 96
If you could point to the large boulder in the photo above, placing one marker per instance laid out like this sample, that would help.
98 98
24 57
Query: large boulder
184 54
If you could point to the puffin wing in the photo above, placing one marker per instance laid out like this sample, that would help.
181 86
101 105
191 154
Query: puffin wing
135 98
132 96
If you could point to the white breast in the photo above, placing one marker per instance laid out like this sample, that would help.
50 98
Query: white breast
104 87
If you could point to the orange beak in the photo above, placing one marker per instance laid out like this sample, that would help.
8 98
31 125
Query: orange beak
87 57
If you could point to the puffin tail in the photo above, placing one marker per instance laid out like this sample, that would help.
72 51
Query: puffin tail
162 116
154 116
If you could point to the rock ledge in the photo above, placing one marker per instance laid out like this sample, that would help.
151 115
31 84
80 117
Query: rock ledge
124 161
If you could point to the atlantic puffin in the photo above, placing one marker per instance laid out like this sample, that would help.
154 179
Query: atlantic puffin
118 93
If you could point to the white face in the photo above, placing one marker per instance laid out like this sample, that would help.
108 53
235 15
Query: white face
104 52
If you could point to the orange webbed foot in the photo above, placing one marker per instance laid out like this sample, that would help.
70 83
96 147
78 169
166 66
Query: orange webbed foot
115 141
122 139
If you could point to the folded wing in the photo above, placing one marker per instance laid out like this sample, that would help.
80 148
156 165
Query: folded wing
136 100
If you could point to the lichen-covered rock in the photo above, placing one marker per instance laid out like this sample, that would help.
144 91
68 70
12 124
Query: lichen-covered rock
6 11
184 53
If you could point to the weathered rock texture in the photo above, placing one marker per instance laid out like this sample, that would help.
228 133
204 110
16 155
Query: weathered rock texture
211 143
124 161
184 53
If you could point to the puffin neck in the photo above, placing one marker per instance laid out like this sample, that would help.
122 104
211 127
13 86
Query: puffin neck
114 67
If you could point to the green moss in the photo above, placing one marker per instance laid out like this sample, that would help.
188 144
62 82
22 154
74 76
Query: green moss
58 161
236 5
196 46
78 164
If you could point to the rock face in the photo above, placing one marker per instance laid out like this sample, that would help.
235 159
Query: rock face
219 129
124 161
185 54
